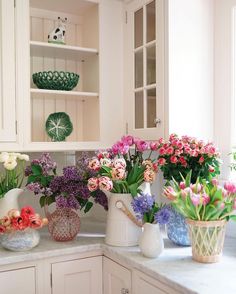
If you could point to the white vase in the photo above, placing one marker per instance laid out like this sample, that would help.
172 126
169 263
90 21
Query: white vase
10 201
120 230
151 242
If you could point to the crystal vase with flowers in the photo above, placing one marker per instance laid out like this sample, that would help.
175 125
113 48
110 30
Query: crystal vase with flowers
207 207
151 215
69 193
177 157
18 229
11 180
122 170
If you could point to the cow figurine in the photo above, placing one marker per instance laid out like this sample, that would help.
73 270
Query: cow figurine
58 34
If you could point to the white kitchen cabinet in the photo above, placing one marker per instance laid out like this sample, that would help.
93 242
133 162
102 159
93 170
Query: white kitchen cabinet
145 284
7 73
116 278
77 276
18 281
93 49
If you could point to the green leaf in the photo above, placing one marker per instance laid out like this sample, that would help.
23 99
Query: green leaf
42 201
233 217
32 179
88 206
36 169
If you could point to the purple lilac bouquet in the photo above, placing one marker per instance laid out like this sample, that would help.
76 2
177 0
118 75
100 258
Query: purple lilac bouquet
148 211
68 190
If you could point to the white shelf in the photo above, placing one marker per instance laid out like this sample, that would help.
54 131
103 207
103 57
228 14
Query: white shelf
67 93
50 50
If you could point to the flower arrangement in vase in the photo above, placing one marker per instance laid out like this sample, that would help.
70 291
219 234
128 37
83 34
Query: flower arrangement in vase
178 156
207 207
122 170
151 214
68 191
11 179
17 229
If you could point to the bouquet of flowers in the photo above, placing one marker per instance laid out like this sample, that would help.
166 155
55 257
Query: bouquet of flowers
17 220
202 201
122 169
148 211
13 175
179 155
68 190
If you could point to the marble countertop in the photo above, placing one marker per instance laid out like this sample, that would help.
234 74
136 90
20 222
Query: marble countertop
174 267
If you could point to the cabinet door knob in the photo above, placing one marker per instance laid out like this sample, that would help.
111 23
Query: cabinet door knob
124 291
157 121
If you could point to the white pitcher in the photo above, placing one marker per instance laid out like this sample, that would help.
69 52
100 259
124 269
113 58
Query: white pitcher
151 242
10 201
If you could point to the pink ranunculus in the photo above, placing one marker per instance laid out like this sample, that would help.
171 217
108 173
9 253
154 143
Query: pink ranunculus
170 193
162 151
105 162
161 161
93 184
205 199
154 145
119 162
27 210
230 187
182 185
128 140
5 221
2 229
173 159
141 145
215 182
94 164
195 198
170 150
201 160
105 184
118 173
18 223
149 176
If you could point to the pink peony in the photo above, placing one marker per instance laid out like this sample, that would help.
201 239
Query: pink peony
230 187
93 184
94 164
118 173
173 159
105 184
141 145
161 161
149 176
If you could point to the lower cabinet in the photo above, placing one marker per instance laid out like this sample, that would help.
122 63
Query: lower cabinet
116 278
18 281
143 284
77 276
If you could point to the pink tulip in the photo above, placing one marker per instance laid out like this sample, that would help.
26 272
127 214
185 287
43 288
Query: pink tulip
141 145
105 162
119 162
123 148
215 182
195 198
196 188
205 199
105 184
182 185
94 164
230 187
93 184
128 140
170 193
118 173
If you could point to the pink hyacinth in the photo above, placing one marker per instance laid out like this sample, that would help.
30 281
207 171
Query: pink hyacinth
105 184
141 145
230 187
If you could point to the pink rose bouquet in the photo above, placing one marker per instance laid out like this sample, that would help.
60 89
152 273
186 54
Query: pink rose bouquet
122 168
20 220
179 155
202 201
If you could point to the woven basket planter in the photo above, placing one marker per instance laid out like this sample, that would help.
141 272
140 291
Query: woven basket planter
207 238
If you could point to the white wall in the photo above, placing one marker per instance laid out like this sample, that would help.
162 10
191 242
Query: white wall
190 85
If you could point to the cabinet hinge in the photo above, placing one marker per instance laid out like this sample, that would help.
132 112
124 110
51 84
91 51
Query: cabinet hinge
126 128
51 279
16 126
126 17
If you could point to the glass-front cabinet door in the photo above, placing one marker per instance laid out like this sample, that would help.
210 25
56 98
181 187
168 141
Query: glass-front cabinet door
7 72
144 68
